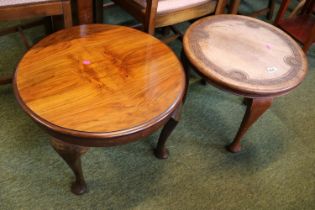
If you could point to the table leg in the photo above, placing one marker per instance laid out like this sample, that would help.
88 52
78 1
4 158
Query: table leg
246 101
186 66
72 156
255 108
161 151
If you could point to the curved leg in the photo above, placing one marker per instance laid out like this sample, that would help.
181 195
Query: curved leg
161 151
72 156
255 108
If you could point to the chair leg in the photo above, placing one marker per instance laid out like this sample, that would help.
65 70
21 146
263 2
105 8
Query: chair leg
67 15
235 6
221 4
48 25
255 108
307 46
308 7
177 35
297 9
166 30
283 8
309 41
271 8
150 29
99 7
150 14
23 38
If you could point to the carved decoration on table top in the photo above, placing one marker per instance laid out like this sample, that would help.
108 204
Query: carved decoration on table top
199 34
239 75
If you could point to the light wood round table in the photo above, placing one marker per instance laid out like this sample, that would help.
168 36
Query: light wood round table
99 86
247 57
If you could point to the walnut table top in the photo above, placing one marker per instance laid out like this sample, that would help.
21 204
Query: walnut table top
100 80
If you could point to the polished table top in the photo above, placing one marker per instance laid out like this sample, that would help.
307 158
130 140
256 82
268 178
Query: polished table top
245 55
100 78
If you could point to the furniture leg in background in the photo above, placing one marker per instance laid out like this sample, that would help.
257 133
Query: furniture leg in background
85 11
269 10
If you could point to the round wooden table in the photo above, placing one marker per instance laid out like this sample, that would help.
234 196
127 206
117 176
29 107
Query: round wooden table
99 86
247 57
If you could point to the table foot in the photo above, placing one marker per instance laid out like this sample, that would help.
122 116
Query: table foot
71 154
161 151
233 148
255 108
78 188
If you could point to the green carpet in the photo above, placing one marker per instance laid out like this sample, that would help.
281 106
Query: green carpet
275 170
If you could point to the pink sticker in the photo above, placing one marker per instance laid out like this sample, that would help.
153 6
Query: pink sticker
86 62
268 46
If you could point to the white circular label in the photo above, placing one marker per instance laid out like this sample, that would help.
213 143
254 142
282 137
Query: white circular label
272 69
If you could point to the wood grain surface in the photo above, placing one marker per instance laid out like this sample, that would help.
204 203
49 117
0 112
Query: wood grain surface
100 79
245 55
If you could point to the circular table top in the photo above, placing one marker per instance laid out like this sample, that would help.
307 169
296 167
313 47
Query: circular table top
245 55
101 79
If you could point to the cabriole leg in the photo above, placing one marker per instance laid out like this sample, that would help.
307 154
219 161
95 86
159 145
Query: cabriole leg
72 156
255 108
161 151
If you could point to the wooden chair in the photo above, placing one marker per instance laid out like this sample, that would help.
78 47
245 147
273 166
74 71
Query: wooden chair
234 7
24 9
301 26
160 13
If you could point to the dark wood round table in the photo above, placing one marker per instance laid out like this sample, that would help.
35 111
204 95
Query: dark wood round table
247 57
100 86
